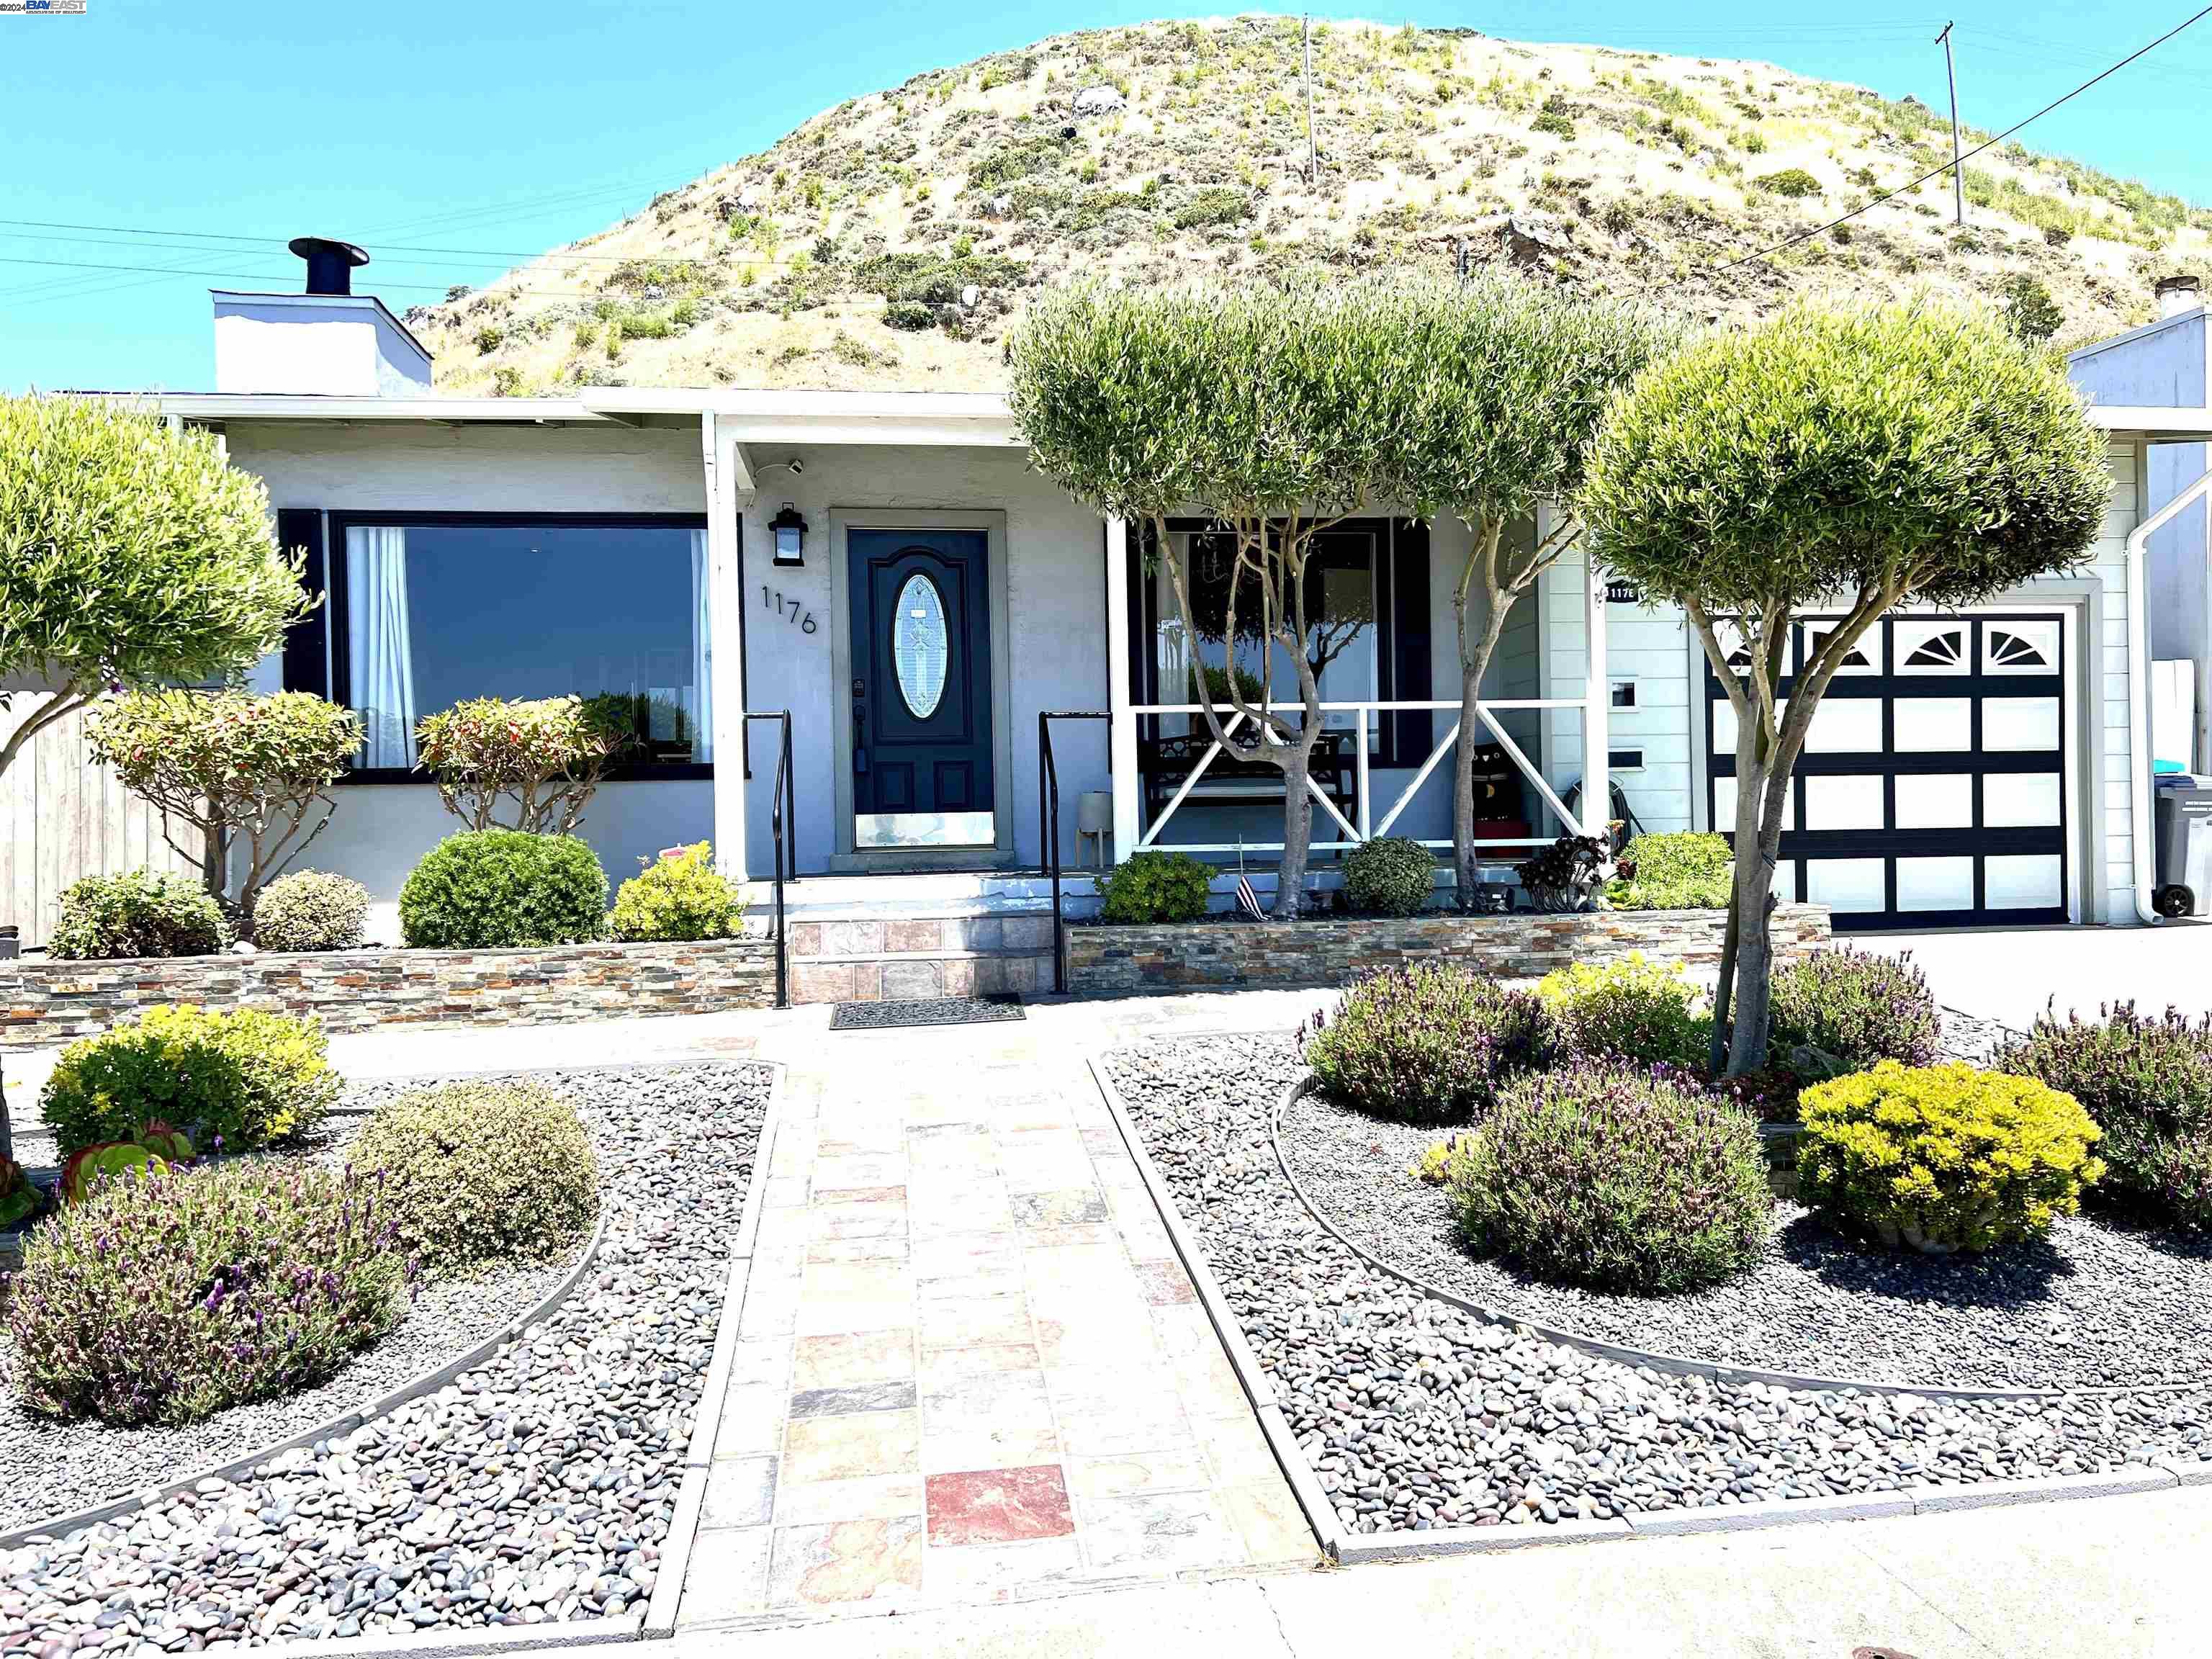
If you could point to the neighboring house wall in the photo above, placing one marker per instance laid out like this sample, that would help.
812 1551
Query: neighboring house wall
380 830
63 817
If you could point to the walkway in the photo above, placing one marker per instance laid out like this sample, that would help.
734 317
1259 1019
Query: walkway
969 1367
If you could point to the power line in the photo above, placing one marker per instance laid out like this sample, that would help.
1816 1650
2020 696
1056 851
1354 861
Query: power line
1938 172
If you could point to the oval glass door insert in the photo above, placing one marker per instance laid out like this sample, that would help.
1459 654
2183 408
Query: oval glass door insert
918 646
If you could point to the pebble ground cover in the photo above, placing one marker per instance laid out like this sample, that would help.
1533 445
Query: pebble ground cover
1414 1414
537 1486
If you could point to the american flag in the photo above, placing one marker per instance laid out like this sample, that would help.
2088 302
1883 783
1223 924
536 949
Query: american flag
1247 901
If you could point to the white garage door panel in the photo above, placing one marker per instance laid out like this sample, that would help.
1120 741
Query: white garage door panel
1933 786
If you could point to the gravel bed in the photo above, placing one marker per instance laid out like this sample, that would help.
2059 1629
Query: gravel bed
537 1487
1413 1414
2095 1306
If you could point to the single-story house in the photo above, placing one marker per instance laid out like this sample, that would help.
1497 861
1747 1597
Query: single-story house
889 568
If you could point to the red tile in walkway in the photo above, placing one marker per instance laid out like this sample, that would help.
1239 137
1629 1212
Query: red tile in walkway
999 1506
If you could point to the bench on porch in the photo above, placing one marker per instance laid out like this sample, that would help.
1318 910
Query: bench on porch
1163 762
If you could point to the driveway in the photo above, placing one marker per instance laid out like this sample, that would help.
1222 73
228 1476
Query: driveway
2010 974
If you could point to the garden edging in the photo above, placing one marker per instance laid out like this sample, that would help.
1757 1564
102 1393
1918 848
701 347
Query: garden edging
345 1423
1347 1548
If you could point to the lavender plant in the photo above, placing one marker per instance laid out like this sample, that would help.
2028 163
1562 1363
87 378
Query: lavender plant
167 1297
1615 1178
1427 1043
1857 1007
2149 1085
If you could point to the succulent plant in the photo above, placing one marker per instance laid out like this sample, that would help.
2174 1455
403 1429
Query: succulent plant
19 1199
90 1166
166 1141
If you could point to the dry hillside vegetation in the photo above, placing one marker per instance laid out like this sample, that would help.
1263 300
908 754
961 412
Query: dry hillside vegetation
891 240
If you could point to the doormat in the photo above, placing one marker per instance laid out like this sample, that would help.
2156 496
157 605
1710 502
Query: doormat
926 1010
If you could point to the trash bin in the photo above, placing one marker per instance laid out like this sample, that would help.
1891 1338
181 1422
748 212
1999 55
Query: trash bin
2185 847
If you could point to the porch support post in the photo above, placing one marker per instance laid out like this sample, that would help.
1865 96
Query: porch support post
1597 703
1122 729
727 486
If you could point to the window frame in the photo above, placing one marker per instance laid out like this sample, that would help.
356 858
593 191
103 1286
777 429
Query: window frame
338 521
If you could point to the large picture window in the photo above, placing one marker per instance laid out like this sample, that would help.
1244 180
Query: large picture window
428 610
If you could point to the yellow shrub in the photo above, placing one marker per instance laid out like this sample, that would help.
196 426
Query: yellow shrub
1944 1157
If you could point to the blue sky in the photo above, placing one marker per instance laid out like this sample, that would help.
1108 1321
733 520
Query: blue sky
501 125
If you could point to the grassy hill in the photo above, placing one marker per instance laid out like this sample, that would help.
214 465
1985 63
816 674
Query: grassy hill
891 240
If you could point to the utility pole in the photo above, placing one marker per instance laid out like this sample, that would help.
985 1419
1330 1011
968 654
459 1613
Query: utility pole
1958 168
1313 151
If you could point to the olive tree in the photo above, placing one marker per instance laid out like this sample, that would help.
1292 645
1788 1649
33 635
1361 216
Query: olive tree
254 774
1510 379
130 554
1265 408
1831 463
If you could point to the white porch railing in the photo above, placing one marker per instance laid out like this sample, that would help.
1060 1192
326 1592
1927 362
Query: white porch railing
1366 827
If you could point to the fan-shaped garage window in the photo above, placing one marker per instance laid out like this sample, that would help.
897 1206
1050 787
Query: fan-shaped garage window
918 646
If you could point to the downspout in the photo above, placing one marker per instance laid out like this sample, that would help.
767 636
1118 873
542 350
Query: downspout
2142 826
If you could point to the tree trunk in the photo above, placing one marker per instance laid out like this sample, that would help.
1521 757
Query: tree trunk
1466 861
1297 832
1752 903
1717 1054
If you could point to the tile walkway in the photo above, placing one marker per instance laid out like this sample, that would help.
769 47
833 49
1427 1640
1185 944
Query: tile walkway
968 1367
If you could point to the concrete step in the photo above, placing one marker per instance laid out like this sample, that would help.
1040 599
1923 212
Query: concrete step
866 958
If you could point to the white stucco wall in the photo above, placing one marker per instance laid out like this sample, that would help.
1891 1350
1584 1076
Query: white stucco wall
380 830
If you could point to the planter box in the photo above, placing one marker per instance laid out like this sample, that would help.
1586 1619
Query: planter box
1106 961
43 1003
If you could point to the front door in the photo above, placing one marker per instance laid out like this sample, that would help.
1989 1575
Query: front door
922 689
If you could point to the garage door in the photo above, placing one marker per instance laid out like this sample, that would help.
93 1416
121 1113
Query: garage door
1932 791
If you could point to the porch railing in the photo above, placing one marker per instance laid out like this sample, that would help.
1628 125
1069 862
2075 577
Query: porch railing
782 821
1048 828
1363 825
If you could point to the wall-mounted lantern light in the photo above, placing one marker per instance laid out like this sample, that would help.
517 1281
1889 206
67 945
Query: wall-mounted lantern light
790 532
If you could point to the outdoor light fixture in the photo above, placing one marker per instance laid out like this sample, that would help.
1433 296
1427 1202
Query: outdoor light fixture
790 536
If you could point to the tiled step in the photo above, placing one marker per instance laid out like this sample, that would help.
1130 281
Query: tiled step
871 959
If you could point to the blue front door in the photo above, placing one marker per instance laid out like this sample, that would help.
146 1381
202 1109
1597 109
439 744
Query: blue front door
922 689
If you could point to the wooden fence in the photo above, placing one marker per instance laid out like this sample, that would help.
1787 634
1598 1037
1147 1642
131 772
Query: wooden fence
64 818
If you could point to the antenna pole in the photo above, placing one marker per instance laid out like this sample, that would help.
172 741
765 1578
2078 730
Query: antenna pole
1958 167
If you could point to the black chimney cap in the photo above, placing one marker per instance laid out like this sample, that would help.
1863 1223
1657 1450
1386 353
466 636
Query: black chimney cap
330 263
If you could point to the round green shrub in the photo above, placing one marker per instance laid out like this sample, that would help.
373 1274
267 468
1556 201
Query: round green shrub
311 910
679 898
1857 1008
473 1172
502 889
1688 870
1427 1043
164 1297
1154 886
1606 1176
137 913
1389 876
233 1081
1632 1010
2148 1083
1944 1157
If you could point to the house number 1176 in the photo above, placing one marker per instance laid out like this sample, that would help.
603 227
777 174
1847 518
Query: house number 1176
790 610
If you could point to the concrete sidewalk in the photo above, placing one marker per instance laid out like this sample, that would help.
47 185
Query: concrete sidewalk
2101 1579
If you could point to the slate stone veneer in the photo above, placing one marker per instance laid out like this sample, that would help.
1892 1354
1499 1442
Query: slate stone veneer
1216 955
45 1002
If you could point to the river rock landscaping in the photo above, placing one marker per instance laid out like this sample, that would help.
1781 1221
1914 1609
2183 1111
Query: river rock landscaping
537 1487
1415 1414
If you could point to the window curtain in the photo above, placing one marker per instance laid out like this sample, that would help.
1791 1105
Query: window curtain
702 652
382 661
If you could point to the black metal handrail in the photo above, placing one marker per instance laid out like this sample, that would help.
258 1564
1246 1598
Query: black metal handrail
783 820
1048 828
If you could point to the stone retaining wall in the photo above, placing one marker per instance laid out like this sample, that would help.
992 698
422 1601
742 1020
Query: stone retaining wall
1105 961
43 1003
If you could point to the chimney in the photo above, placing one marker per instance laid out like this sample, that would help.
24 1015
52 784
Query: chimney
326 341
2179 293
